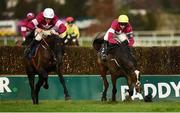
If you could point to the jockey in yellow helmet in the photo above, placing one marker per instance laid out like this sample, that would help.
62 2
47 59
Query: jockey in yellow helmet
120 26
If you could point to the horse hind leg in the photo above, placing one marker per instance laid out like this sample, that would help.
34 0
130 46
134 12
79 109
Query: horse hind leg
106 85
44 74
131 84
62 81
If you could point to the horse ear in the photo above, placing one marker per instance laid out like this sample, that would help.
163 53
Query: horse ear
97 43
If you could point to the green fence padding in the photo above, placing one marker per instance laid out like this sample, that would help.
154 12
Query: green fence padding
84 87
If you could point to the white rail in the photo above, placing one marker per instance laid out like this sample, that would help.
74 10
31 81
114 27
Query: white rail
142 38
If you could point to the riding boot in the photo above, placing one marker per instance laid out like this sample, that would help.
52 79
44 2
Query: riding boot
28 51
104 50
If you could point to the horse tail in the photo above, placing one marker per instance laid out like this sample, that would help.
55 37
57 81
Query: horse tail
98 41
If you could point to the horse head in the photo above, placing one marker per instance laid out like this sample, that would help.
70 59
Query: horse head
56 44
98 41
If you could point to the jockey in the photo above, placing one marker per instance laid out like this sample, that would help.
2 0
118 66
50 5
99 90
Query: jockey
120 26
72 29
24 30
45 20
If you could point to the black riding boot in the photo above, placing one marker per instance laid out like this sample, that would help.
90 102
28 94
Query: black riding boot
104 50
28 51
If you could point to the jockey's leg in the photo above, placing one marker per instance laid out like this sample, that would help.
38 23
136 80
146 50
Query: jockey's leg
28 51
34 43
104 50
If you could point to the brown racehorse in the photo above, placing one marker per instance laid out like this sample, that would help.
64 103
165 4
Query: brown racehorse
48 58
119 62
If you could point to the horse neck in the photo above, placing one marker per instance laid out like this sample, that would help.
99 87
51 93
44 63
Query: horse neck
118 50
48 41
55 44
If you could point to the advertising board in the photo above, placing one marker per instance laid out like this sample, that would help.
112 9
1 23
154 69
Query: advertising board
89 87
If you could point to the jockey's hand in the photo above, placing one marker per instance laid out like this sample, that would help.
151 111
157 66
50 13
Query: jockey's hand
38 30
126 42
53 32
24 38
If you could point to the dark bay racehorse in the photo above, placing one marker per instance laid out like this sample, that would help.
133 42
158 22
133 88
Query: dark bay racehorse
48 58
120 62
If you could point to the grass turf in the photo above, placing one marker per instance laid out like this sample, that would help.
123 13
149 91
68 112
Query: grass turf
88 106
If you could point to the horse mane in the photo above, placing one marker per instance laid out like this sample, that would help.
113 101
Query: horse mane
57 44
54 39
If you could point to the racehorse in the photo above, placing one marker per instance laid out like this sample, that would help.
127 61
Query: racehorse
48 58
119 62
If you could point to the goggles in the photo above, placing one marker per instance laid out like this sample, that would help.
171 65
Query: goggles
48 18
123 24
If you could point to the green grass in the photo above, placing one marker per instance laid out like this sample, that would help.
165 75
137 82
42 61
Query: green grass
88 106
9 43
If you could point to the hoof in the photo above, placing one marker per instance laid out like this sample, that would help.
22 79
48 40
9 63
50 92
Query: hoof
113 100
148 98
67 98
128 98
35 103
103 99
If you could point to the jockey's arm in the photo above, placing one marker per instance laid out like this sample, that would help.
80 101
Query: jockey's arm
130 36
109 35
23 32
31 24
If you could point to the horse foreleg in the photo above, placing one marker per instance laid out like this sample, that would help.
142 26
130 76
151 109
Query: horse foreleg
31 83
131 85
37 89
62 81
106 85
103 71
114 90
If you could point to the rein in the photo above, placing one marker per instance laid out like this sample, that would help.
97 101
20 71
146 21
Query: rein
45 42
48 47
